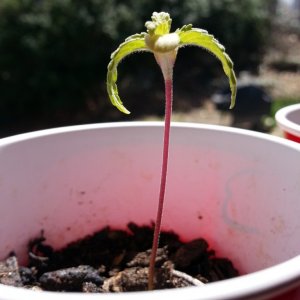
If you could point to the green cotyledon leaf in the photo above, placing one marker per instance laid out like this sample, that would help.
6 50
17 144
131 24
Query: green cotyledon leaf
201 38
164 46
132 44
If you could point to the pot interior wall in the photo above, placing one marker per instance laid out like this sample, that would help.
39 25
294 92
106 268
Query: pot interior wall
294 116
240 191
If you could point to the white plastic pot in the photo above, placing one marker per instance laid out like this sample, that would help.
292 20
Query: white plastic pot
288 119
238 189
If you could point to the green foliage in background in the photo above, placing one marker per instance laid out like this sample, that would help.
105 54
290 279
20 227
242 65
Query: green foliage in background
54 53
281 103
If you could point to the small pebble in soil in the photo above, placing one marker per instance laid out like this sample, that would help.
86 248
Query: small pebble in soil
9 272
70 279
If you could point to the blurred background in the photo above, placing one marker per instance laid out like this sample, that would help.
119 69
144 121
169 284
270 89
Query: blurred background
54 56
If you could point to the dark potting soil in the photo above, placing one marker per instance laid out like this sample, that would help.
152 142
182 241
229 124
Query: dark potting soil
115 261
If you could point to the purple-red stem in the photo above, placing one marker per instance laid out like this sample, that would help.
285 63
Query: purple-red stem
164 169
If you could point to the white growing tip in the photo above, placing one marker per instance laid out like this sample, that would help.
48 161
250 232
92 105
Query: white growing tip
162 43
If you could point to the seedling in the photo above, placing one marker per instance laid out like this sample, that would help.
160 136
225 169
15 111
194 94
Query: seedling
164 45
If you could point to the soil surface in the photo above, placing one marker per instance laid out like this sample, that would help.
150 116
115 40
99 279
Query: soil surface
116 261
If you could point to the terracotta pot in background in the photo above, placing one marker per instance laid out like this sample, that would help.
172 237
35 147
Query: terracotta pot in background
238 189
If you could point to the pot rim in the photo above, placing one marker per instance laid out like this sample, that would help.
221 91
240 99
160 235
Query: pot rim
128 124
268 281
284 122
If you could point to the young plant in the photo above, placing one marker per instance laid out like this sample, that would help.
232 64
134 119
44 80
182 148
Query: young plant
164 45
